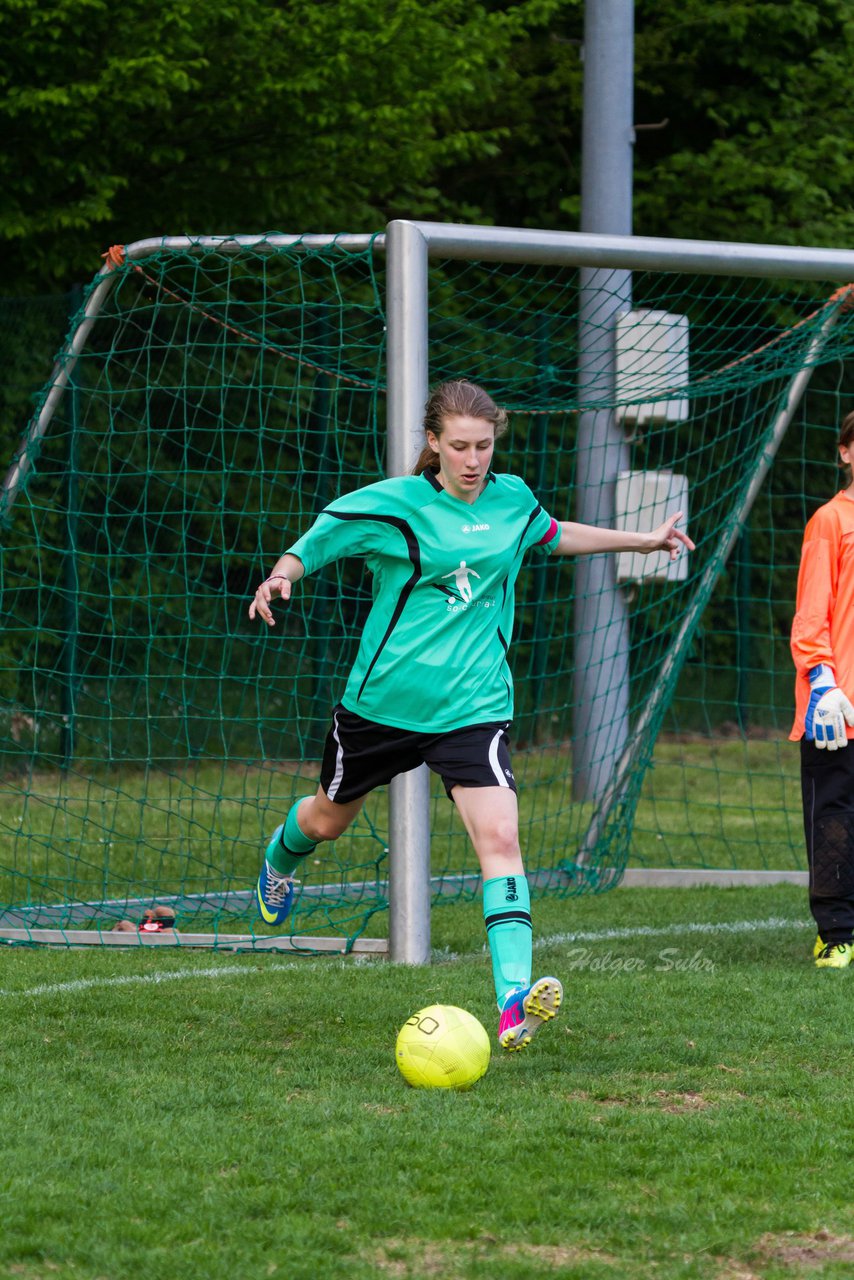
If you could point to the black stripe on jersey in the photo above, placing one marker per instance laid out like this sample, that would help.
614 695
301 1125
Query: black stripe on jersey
531 518
508 917
504 643
408 587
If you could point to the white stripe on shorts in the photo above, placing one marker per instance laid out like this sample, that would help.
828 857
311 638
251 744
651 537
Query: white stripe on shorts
493 760
338 776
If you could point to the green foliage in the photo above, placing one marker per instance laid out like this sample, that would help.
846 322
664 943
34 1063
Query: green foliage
122 123
759 141
745 123
119 124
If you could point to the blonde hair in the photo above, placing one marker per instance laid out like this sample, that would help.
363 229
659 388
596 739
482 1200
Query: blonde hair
456 399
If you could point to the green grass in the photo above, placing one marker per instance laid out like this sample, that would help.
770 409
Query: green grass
716 802
202 1116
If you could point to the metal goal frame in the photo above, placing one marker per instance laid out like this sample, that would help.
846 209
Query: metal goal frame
409 246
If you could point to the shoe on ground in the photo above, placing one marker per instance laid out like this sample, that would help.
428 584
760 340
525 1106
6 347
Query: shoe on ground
274 893
818 947
835 955
526 1010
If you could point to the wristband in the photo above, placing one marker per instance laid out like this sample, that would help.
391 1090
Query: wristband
277 577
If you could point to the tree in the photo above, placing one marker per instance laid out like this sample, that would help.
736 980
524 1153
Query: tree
302 115
330 115
759 142
744 113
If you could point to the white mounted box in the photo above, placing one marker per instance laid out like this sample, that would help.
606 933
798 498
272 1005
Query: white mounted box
651 360
644 500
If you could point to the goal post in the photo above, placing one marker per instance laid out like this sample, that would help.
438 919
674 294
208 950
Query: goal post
408 379
230 386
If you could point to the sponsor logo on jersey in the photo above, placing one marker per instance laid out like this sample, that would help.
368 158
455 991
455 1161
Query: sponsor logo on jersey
474 528
462 582
460 596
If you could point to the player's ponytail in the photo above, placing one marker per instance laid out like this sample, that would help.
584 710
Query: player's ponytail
456 399
428 460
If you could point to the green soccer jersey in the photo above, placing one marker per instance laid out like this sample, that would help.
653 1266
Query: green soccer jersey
433 655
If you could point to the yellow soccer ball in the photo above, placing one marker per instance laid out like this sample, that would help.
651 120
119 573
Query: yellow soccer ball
442 1047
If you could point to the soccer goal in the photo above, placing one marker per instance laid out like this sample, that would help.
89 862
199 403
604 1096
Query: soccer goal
214 393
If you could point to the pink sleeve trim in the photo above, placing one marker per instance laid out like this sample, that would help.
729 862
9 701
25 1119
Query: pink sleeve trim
548 536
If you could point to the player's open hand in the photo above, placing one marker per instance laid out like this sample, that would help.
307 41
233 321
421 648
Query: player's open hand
668 538
268 590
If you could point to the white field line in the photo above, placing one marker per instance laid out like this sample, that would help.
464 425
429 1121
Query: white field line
662 931
142 979
552 940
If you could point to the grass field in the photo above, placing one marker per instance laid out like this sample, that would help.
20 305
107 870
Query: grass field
202 1116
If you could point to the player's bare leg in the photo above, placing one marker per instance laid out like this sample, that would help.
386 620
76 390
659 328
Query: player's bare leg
491 818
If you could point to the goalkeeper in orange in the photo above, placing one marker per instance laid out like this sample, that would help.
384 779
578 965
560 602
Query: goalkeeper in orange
823 650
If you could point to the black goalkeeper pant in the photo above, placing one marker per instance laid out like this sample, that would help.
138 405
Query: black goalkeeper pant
827 783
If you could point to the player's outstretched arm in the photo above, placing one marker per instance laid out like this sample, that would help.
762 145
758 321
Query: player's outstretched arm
589 539
287 570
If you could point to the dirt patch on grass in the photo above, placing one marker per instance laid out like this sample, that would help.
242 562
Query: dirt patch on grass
678 1103
792 1251
804 1252
449 1260
674 1102
732 1270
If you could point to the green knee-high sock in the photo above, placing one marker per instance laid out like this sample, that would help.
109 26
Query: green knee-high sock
507 914
289 845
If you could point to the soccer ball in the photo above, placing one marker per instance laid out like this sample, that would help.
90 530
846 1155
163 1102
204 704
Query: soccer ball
442 1047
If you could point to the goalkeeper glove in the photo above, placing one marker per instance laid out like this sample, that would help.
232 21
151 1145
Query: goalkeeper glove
828 711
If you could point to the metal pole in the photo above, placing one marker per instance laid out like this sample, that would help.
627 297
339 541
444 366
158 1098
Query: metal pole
601 684
540 710
409 793
320 437
638 253
63 369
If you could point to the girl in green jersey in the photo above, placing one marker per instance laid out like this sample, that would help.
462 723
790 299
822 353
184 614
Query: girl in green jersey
431 682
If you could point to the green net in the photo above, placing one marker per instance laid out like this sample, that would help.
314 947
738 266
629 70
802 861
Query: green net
151 736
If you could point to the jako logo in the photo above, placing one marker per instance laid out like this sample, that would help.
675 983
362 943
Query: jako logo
511 895
474 528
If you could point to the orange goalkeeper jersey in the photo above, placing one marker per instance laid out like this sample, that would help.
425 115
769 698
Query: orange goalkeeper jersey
823 627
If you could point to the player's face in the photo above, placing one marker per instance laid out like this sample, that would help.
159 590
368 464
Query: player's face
465 451
846 457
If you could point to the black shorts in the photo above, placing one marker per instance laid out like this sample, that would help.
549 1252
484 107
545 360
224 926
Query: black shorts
360 755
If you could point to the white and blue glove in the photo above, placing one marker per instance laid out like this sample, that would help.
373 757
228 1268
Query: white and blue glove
829 710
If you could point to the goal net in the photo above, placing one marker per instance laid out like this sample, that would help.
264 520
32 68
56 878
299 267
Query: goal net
151 736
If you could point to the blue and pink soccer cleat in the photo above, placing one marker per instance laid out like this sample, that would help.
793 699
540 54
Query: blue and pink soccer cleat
526 1010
